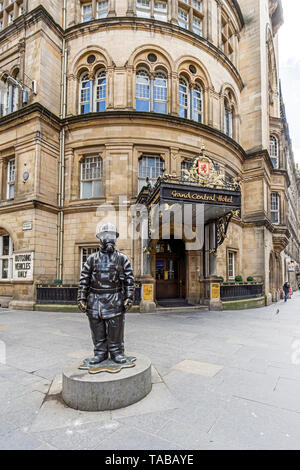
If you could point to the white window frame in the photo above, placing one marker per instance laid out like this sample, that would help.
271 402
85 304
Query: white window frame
197 25
11 178
90 250
8 258
1 6
86 16
152 172
160 14
154 91
228 119
275 208
94 180
10 18
100 88
189 108
102 8
183 18
143 8
274 151
231 266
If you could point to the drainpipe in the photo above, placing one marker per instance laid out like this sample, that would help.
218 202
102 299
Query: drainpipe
61 163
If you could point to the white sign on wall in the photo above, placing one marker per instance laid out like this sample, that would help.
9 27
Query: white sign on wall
23 266
291 268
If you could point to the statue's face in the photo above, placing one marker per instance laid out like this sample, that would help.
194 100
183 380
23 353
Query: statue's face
108 242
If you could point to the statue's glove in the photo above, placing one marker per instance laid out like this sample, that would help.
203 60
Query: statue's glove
82 305
128 304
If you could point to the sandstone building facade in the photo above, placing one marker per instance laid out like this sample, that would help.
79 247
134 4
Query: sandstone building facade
98 98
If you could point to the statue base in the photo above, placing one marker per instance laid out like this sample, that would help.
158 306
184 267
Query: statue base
107 366
93 391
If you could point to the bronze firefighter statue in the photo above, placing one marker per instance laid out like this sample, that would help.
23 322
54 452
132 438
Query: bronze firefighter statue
105 292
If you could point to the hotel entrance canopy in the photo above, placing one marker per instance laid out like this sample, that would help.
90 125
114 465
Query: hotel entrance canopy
200 183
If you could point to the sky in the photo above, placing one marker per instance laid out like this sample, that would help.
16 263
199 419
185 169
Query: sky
289 69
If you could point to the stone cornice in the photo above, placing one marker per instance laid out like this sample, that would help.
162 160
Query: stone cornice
150 23
26 20
27 111
131 115
26 205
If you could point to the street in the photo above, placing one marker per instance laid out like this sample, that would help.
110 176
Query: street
221 380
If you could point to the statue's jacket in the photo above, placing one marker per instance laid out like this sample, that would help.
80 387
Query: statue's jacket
106 281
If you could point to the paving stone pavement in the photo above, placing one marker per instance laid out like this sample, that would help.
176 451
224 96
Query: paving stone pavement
221 380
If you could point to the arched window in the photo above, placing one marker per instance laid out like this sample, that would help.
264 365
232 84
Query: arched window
142 90
274 151
150 168
197 103
92 93
85 94
228 118
91 177
152 93
160 93
183 97
101 91
190 101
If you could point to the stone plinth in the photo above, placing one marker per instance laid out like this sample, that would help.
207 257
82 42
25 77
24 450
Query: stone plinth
105 391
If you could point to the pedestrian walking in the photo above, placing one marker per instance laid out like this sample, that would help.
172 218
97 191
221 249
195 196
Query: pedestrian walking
286 290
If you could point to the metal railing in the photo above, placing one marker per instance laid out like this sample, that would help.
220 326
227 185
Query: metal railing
241 291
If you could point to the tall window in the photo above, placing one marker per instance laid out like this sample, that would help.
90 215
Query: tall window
142 91
143 8
190 101
86 12
92 93
161 10
85 94
274 151
102 9
85 252
231 264
9 97
275 208
152 93
150 168
183 18
183 97
227 37
228 118
6 253
11 179
101 91
91 177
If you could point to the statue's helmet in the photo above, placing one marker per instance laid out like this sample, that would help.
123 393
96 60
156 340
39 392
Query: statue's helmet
107 228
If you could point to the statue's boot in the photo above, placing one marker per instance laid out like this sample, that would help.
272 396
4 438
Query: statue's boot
118 358
98 358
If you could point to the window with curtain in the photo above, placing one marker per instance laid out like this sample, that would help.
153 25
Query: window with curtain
161 10
274 151
6 257
275 208
86 12
228 118
152 93
102 9
91 177
150 168
231 264
143 8
11 179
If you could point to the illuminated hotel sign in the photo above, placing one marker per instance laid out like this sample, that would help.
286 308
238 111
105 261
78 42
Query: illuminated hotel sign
202 195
